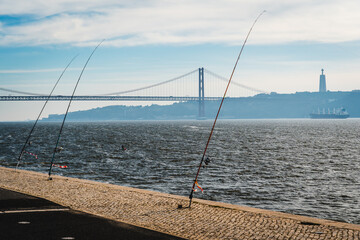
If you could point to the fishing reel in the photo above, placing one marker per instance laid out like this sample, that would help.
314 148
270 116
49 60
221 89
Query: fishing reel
206 161
58 149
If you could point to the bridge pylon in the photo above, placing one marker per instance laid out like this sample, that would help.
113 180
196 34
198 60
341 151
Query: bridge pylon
201 94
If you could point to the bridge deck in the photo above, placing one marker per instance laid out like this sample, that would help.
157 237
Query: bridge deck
103 98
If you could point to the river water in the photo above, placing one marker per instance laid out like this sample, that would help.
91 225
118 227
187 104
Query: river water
307 167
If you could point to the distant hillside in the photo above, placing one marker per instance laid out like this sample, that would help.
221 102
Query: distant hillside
297 105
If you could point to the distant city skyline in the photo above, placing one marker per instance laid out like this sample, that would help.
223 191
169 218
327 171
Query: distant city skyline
152 41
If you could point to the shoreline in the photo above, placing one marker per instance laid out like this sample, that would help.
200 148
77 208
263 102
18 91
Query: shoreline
158 211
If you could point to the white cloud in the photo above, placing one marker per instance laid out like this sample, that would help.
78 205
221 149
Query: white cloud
30 71
129 23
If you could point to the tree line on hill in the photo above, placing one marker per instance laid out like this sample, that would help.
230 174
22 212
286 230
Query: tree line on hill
261 106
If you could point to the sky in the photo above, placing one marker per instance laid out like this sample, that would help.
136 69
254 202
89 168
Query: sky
150 41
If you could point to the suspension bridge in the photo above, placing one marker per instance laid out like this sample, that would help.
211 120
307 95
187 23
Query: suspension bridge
188 87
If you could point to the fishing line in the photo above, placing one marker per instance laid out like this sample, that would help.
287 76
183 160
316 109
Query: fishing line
217 115
47 100
67 110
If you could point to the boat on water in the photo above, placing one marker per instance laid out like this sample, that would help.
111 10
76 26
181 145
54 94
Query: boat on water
339 113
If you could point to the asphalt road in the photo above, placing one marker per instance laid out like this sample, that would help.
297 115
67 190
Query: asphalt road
27 217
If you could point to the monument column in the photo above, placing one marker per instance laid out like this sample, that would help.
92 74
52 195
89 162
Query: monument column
322 85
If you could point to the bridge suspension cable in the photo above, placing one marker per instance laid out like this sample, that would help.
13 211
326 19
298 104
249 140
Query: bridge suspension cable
150 86
235 83
27 93
114 93
208 81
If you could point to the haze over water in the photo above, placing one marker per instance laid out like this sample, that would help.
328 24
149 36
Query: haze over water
306 167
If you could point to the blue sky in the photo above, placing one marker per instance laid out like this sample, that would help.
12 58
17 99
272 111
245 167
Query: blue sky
155 40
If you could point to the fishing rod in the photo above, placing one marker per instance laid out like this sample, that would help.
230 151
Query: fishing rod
47 100
56 149
217 115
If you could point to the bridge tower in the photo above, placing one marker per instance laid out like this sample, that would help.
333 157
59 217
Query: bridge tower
201 94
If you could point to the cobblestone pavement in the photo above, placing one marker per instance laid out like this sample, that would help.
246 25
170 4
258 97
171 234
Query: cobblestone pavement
159 211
